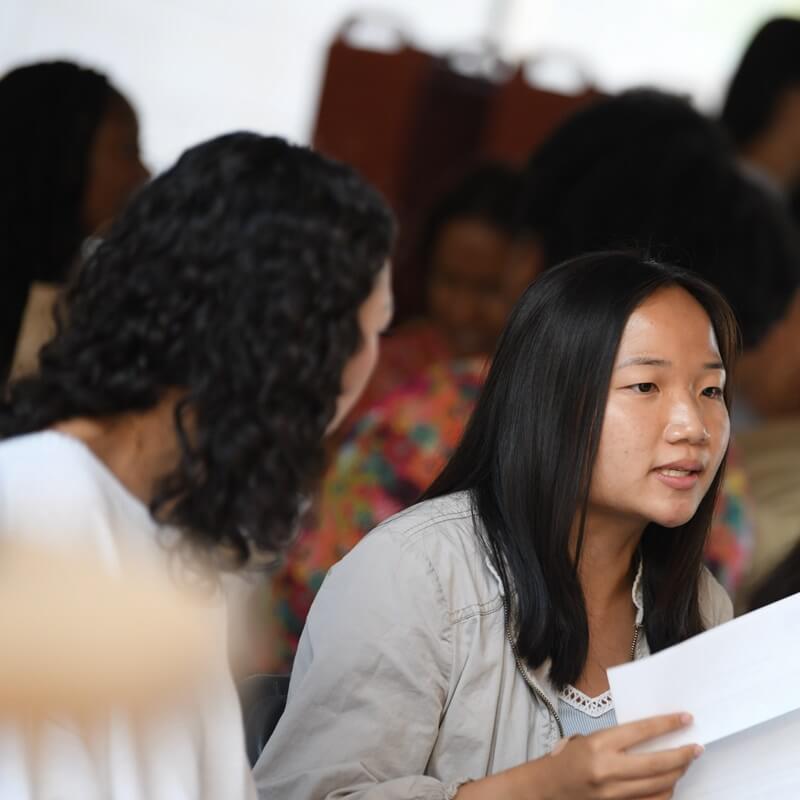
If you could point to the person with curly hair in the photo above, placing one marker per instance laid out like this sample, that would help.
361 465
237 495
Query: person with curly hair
69 161
224 326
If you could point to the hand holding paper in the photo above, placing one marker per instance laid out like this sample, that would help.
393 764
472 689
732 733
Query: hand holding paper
740 682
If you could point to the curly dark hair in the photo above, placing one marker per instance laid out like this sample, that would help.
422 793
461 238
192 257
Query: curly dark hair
49 112
236 276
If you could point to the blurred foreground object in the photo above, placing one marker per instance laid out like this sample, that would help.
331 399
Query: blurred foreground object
81 640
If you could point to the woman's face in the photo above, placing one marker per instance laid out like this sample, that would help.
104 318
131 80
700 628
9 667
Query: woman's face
666 425
466 295
374 317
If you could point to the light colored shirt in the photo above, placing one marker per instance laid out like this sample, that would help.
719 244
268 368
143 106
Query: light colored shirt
55 492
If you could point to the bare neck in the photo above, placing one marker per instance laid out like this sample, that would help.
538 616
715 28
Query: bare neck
138 448
605 569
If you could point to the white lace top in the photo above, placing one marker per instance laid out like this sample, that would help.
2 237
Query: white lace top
583 714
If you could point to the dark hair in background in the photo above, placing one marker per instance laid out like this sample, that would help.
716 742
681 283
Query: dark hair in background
49 114
237 276
529 450
769 66
645 170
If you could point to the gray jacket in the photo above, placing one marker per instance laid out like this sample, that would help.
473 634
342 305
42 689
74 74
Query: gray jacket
405 683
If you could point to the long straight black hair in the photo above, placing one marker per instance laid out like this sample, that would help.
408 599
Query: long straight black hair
528 452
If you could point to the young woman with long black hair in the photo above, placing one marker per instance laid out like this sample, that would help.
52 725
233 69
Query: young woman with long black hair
467 638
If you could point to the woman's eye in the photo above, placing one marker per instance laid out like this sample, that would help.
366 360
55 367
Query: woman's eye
713 391
643 388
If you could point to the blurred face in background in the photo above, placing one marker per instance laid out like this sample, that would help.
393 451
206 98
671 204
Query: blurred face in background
468 293
115 169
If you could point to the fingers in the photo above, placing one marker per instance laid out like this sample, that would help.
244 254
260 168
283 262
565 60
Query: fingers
660 786
641 776
634 765
633 733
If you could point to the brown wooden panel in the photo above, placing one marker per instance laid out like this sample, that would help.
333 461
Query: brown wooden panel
410 123
368 107
523 116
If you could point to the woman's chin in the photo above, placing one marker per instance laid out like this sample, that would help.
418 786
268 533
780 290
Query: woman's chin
674 518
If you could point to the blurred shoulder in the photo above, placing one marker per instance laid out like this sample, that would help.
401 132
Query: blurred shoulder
715 603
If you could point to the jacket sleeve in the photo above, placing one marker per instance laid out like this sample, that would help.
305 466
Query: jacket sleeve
715 603
369 685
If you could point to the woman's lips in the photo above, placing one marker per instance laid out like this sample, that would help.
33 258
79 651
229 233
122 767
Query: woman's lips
681 479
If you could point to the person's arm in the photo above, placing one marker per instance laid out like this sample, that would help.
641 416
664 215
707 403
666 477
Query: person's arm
370 684
596 767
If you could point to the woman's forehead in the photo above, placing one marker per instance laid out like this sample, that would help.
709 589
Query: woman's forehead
670 321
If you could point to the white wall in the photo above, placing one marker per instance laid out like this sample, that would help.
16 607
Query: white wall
688 46
195 68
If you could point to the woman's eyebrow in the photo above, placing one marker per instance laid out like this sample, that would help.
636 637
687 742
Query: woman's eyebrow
644 361
649 361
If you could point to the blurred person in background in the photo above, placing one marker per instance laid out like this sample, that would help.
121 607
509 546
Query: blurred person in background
226 323
762 115
644 169
467 244
761 111
69 161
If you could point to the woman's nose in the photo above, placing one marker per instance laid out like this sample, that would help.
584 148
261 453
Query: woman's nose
686 424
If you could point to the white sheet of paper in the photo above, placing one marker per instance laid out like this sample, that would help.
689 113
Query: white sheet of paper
759 763
729 678
741 682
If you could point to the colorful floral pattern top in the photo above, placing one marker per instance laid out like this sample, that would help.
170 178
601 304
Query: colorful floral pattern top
405 353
